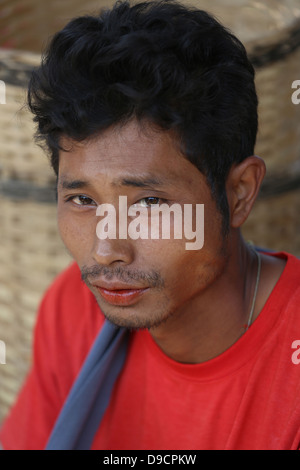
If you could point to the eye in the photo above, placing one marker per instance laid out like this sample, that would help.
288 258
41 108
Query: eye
149 201
82 200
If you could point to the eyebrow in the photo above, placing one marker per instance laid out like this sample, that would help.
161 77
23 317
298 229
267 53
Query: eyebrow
73 184
137 182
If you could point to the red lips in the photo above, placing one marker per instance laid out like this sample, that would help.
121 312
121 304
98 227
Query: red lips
117 295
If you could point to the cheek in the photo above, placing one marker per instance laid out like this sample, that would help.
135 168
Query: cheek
170 259
185 272
77 233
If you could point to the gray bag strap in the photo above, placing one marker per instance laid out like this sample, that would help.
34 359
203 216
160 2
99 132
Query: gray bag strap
87 401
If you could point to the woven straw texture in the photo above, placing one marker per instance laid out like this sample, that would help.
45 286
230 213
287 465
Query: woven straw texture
31 252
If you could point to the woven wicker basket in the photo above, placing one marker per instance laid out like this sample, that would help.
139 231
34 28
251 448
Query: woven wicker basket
31 252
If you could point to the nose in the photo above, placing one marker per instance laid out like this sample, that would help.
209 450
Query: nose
109 251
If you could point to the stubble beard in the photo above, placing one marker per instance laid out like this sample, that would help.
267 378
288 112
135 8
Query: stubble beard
125 317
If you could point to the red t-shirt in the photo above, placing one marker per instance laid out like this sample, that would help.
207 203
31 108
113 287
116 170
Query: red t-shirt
246 398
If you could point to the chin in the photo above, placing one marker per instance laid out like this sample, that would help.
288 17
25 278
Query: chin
124 317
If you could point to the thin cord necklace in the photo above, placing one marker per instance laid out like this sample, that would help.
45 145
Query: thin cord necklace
255 290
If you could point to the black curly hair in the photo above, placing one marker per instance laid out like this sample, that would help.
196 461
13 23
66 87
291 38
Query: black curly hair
161 61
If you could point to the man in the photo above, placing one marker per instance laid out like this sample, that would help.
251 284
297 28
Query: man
156 103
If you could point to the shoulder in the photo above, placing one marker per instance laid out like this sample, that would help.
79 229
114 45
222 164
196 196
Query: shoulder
69 293
290 277
285 300
69 316
282 268
66 283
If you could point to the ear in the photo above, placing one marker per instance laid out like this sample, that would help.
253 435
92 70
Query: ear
242 185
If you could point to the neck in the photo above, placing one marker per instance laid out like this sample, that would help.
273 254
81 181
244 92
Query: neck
214 320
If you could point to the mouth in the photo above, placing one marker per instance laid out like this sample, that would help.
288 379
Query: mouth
116 295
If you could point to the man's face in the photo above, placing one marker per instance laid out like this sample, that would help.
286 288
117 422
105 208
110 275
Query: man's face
138 283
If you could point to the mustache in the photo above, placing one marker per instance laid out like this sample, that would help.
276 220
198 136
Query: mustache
151 279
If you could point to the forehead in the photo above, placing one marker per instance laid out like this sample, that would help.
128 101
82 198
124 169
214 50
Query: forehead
125 151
